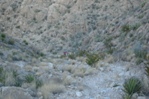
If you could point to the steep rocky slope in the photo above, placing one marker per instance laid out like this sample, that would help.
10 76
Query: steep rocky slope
37 35
69 25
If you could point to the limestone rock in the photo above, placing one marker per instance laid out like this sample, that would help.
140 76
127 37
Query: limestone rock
15 93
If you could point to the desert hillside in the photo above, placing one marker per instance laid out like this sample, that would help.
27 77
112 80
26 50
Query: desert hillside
70 49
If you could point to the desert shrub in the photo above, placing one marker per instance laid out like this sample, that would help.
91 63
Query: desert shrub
92 59
39 83
132 85
11 42
126 28
25 42
139 51
2 37
29 78
107 42
2 75
18 81
109 45
139 61
143 4
135 27
82 53
72 56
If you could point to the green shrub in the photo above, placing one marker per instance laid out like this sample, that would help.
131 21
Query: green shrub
11 42
72 56
25 42
18 82
139 61
82 53
2 37
39 83
92 59
135 27
132 85
41 54
126 28
2 75
29 78
107 42
143 4
140 52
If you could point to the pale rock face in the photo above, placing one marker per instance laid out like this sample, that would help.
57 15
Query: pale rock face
15 93
79 94
55 11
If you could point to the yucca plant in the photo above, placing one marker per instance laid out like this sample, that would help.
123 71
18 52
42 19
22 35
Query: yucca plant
92 59
132 85
29 78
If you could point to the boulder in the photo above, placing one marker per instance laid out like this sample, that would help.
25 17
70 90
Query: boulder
15 93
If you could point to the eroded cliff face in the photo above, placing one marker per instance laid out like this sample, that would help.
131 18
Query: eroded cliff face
55 26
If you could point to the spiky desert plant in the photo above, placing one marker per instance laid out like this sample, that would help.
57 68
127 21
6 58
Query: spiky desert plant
92 59
132 85
29 78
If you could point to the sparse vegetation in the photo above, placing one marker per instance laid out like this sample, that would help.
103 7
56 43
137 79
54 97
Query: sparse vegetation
41 54
140 53
11 42
132 85
2 75
82 53
109 46
143 4
126 28
72 56
29 78
2 37
25 42
51 88
135 27
92 59
39 83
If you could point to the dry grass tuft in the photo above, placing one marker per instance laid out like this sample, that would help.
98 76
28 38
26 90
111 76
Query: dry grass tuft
51 88
79 72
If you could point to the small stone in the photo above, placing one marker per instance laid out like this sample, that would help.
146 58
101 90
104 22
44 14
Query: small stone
50 65
79 94
102 69
112 84
141 97
134 96
41 97
39 94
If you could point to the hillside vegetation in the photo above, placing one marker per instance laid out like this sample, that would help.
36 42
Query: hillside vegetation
46 41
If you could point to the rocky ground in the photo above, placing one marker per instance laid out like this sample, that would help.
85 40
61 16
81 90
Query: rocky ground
40 41
71 79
